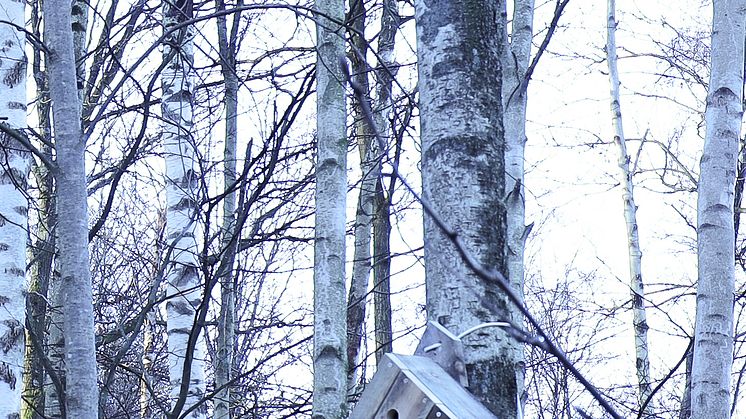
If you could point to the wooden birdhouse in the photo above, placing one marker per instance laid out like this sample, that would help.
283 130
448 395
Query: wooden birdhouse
418 386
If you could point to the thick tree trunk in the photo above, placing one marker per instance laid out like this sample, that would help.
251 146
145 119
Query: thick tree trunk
639 316
82 388
459 48
15 164
186 367
713 338
330 331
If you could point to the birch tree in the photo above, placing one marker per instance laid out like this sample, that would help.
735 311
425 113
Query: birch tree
227 43
356 300
458 50
330 334
14 168
81 376
639 316
713 335
186 352
515 59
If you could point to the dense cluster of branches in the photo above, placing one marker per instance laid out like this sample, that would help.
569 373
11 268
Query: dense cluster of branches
203 143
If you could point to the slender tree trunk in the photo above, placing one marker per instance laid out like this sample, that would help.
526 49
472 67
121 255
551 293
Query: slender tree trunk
36 389
382 204
330 334
356 300
459 49
713 337
148 353
80 26
639 316
382 273
15 164
685 411
515 59
226 320
82 389
42 255
184 285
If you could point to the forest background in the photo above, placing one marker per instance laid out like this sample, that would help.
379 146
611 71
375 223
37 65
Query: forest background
249 208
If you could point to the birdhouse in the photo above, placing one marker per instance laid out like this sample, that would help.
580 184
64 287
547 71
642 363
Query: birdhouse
417 387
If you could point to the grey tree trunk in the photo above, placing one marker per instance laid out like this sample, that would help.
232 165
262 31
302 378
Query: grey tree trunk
515 58
226 320
15 164
35 389
361 260
459 49
186 365
382 203
82 389
55 295
382 274
329 302
713 336
639 316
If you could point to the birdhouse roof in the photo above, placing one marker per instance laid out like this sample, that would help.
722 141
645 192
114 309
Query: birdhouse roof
414 387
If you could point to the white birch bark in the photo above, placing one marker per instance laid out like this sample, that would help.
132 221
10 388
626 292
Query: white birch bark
639 316
183 281
515 59
82 388
459 49
330 331
14 168
713 336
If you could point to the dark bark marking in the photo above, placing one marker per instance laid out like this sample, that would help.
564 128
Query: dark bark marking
15 74
7 376
11 337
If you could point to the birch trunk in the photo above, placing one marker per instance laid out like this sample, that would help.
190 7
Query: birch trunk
515 59
226 321
639 316
713 336
330 334
459 49
82 389
186 368
356 300
15 164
